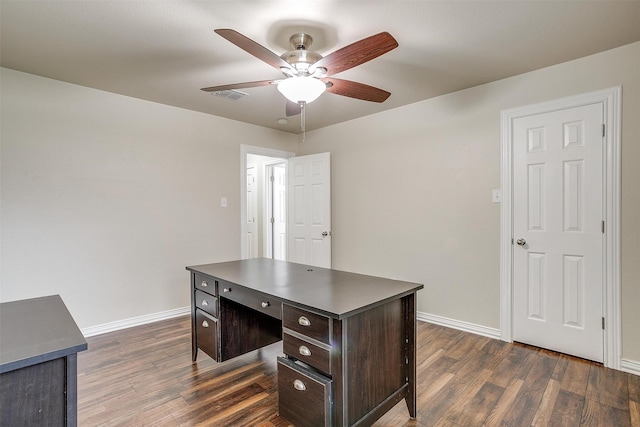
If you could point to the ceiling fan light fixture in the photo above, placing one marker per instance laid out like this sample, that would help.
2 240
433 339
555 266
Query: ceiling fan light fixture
301 89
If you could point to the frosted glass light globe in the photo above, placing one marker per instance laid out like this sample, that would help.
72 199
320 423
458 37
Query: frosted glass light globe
302 89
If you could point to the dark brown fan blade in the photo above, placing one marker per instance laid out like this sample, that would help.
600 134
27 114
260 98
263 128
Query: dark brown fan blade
292 108
239 85
356 90
255 49
357 53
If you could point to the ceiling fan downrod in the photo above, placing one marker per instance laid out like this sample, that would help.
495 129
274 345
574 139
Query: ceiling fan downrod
300 41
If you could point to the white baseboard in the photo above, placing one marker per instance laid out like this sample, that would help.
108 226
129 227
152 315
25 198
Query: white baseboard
630 366
626 365
134 321
459 325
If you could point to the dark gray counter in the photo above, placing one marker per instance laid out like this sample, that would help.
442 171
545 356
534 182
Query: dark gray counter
39 342
338 294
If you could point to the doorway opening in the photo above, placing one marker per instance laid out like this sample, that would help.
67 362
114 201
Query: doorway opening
263 202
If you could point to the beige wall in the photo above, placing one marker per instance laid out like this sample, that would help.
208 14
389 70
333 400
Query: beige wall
412 188
106 198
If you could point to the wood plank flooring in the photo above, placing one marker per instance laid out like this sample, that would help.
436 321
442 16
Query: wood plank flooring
143 376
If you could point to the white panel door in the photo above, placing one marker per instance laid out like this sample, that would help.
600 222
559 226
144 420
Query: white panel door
252 209
309 234
558 235
279 212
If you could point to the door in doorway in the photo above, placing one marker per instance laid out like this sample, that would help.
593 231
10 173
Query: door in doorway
558 230
309 219
276 200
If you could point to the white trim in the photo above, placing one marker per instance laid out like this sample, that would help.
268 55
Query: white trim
630 366
134 321
259 151
254 202
459 325
267 226
611 99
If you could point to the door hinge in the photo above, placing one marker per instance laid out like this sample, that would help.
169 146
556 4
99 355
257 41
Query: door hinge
271 178
603 323
272 221
603 130
602 227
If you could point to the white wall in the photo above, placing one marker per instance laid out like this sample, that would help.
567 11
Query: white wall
412 188
106 198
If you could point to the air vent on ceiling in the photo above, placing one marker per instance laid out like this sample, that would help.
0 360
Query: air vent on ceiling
232 94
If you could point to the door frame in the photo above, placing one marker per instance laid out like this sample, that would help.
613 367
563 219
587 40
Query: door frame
611 100
254 202
259 151
267 225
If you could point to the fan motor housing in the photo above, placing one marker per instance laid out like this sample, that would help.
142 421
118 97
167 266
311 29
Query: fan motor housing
300 57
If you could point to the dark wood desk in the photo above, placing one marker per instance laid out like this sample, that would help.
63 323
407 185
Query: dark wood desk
39 342
349 340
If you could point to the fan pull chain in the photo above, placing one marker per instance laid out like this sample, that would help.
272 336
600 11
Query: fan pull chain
302 121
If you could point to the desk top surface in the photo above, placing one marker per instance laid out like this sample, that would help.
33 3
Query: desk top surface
337 293
36 330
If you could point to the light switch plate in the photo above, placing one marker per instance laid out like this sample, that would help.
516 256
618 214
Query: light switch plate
496 196
223 202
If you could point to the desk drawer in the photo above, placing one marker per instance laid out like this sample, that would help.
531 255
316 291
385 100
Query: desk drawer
207 334
206 284
313 325
306 352
252 299
304 398
207 302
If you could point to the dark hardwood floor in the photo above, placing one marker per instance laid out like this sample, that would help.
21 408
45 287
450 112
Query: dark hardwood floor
144 376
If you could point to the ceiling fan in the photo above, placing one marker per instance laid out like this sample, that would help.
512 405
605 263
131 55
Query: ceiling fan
307 73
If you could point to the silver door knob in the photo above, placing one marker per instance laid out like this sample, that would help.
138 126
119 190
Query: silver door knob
326 233
521 242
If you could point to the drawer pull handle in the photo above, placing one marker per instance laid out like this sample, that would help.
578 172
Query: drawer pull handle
299 385
205 323
226 290
204 284
304 321
265 304
204 303
304 350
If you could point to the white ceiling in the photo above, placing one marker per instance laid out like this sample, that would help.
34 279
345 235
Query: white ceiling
165 51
